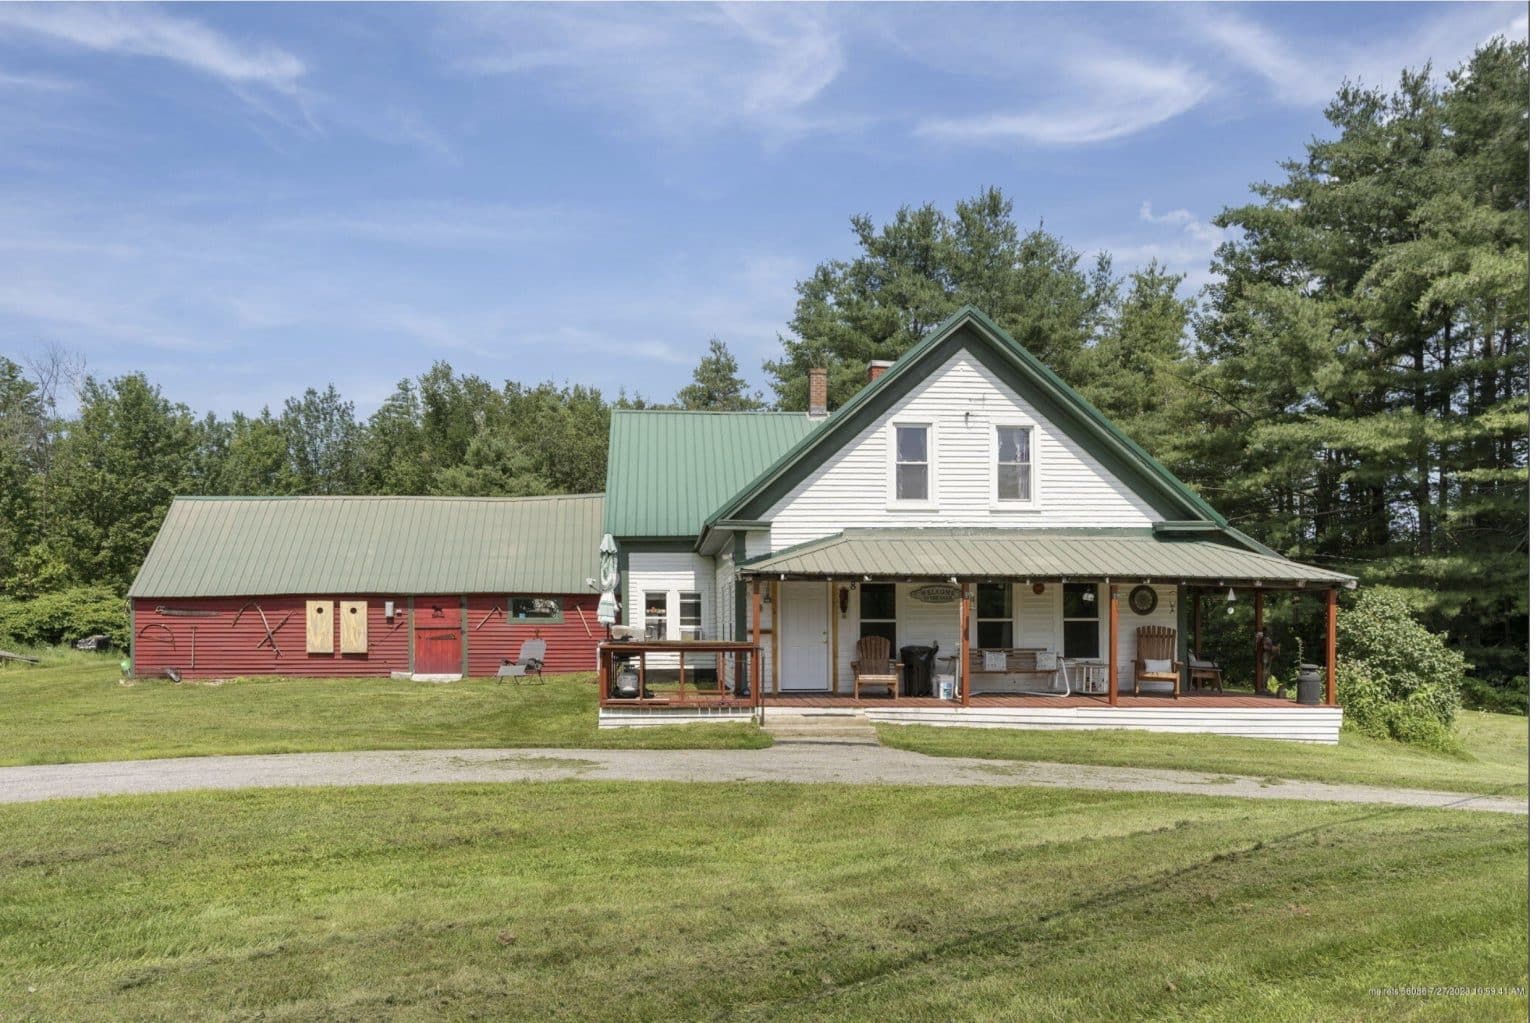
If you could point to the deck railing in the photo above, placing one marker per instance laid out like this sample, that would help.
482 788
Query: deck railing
679 673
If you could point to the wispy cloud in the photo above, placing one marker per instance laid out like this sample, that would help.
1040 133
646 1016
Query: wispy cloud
25 81
676 68
1309 72
441 223
1109 97
143 31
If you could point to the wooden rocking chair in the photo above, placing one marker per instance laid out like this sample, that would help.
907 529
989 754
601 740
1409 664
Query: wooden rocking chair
874 666
1155 658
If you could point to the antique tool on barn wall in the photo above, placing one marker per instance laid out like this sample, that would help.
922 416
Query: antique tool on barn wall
184 612
156 625
277 650
488 616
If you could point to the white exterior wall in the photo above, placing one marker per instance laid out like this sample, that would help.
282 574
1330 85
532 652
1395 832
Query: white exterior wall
670 573
852 488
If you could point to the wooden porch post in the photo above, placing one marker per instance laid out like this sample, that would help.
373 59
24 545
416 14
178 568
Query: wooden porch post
1198 602
1330 650
1259 688
757 637
1182 614
1114 645
965 644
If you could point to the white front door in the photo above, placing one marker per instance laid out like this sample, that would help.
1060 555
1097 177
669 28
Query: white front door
802 615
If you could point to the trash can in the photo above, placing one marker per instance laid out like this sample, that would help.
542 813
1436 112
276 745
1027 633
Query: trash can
917 665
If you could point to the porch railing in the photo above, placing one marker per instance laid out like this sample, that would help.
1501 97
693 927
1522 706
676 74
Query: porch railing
679 673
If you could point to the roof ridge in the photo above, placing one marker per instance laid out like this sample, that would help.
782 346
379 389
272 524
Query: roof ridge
381 497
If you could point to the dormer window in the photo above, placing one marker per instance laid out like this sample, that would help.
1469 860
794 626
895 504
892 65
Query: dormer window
912 462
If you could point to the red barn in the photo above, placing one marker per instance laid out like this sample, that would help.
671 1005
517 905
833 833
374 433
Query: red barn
439 586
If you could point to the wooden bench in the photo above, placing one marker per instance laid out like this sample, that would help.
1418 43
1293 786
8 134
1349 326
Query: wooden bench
1017 662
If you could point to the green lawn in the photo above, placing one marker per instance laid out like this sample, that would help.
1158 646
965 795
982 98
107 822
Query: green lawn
1495 759
584 901
76 708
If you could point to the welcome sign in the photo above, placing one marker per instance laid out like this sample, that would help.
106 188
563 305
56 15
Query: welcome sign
938 593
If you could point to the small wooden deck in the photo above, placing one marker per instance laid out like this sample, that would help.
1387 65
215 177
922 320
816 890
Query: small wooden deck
1224 701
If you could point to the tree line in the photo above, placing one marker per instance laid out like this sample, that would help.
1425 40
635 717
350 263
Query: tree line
1352 388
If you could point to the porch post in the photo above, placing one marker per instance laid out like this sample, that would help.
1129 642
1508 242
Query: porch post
757 638
1331 650
1114 651
1259 688
1183 638
1198 602
965 644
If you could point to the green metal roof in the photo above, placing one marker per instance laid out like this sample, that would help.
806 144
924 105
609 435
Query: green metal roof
254 546
979 554
668 470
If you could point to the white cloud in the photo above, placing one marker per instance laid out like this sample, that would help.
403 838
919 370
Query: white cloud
1308 73
1202 231
439 223
676 68
144 31
1107 97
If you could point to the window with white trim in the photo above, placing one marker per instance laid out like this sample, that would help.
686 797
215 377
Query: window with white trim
912 462
655 614
1015 464
877 611
1080 620
690 615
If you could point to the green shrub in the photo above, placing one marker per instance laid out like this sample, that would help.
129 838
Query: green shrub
64 617
1513 698
1397 680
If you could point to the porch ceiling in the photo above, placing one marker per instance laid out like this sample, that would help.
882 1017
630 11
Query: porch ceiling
981 554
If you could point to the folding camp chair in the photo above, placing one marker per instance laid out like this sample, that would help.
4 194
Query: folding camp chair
530 661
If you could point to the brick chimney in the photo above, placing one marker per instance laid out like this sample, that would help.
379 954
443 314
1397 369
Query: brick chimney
817 409
877 368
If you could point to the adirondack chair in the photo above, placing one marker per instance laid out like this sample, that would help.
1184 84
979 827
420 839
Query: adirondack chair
1203 673
1154 658
874 667
530 661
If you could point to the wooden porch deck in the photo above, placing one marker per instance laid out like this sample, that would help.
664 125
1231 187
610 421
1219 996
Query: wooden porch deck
1225 701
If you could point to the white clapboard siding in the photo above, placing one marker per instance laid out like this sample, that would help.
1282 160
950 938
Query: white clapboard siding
1298 724
1166 613
670 573
963 400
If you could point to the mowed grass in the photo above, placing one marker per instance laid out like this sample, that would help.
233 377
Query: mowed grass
1495 757
76 708
586 901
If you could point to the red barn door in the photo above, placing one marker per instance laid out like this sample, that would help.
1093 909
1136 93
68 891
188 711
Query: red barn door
439 635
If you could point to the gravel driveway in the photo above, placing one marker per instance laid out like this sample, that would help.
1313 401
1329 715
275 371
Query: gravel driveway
794 762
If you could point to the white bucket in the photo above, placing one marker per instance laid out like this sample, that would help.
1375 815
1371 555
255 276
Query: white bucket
946 684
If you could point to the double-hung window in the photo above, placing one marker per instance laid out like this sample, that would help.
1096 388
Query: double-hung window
1080 620
877 611
994 616
1015 465
913 462
690 614
655 614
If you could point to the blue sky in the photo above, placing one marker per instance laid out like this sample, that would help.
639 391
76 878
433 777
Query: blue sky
242 201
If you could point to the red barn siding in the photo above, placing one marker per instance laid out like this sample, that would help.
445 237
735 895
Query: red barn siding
571 645
226 649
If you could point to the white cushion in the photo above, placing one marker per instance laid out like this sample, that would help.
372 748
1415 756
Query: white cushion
1156 667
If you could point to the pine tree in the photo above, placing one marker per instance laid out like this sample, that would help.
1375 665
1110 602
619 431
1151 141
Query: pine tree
717 385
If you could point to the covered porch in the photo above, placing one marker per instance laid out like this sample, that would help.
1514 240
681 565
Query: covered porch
1024 619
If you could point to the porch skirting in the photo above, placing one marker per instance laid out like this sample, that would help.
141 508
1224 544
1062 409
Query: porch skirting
1298 724
643 717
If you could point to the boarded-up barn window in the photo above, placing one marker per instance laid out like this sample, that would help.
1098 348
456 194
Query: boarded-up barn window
354 626
319 627
535 609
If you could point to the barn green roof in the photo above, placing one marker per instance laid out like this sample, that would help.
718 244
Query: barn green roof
669 470
269 546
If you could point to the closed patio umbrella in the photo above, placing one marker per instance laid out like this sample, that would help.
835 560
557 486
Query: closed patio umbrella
608 580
